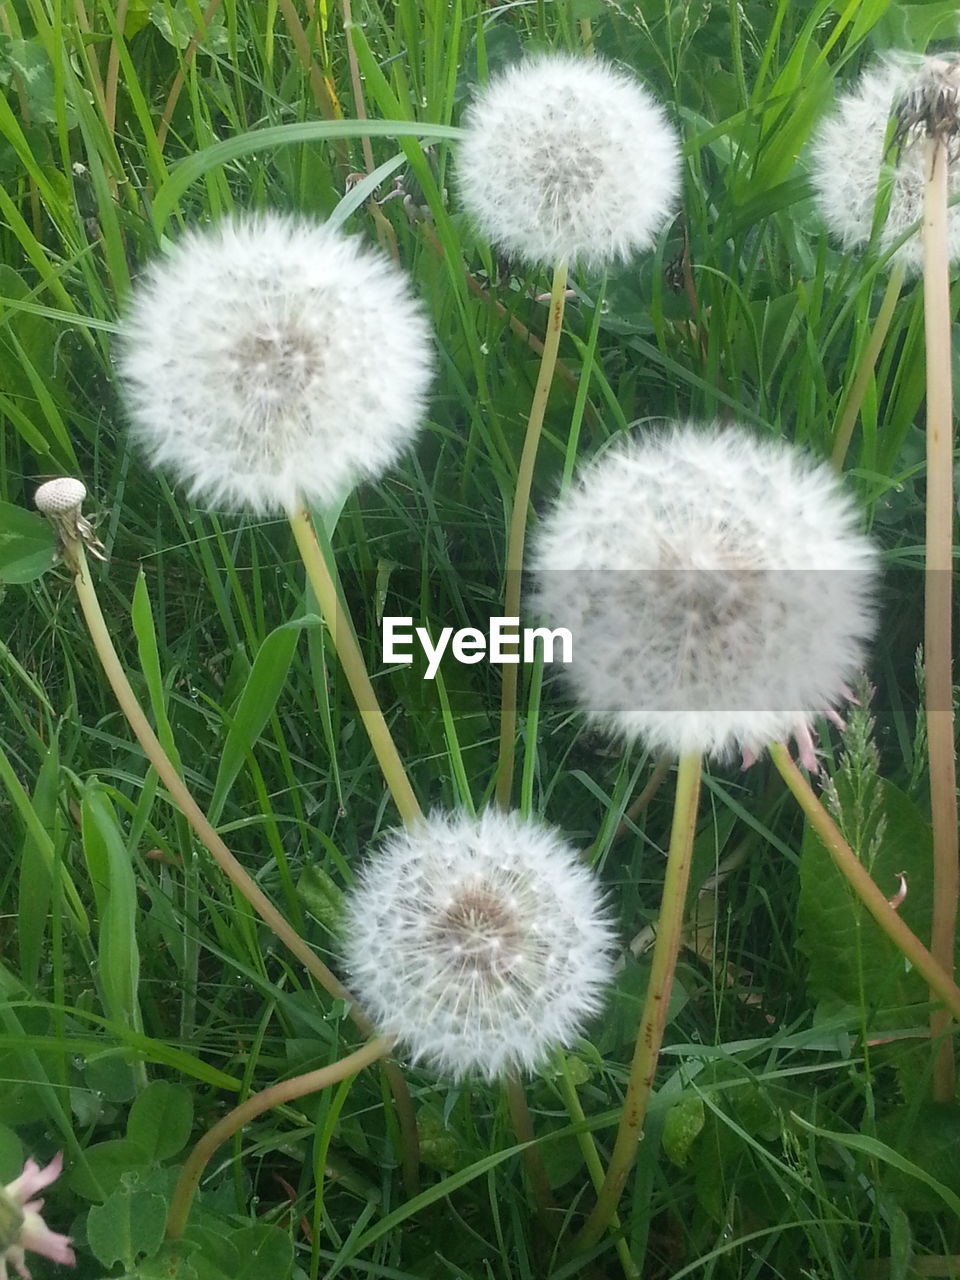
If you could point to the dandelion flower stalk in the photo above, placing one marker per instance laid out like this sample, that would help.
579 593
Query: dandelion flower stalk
563 160
61 501
518 528
272 363
274 1096
938 593
653 1019
348 653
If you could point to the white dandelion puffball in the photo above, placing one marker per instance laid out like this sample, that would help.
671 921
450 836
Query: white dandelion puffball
717 590
848 156
566 158
270 360
481 943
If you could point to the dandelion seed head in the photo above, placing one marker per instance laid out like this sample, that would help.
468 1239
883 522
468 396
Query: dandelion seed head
716 587
854 143
270 360
61 496
566 158
481 943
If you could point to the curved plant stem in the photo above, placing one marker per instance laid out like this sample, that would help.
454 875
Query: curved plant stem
351 660
938 594
256 1105
244 883
852 869
518 529
533 1161
866 366
653 1020
591 1158
152 748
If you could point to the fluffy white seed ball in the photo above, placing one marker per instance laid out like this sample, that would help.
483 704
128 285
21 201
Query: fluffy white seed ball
269 360
482 943
566 158
716 587
848 156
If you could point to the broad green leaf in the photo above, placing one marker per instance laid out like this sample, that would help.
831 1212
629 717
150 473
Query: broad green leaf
11 1154
681 1127
849 956
161 1118
107 1162
126 1227
322 897
115 890
877 1150
35 873
264 685
28 545
264 1250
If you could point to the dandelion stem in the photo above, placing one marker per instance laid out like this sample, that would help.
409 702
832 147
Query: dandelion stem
653 1020
276 1095
518 529
859 879
533 1161
938 592
354 668
244 883
866 366
86 594
591 1158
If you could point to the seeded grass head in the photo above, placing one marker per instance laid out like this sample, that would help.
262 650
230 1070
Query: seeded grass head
481 943
270 360
870 125
716 587
566 158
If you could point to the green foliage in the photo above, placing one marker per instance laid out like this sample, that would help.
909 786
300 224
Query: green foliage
139 998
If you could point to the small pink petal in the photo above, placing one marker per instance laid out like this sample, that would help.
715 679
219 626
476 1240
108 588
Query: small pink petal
833 715
805 748
34 1179
901 893
36 1236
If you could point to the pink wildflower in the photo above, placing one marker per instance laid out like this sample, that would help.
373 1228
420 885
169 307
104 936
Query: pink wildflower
21 1226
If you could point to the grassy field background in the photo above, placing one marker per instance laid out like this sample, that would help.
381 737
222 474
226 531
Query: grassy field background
790 1135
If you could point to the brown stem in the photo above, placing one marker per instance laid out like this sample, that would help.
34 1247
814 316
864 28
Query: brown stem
275 1096
938 595
180 78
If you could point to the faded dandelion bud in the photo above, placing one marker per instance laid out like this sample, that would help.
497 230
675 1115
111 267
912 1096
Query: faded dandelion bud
270 360
481 943
566 158
61 501
60 497
894 106
717 590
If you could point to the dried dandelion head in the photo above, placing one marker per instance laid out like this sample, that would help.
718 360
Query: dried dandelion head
895 105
